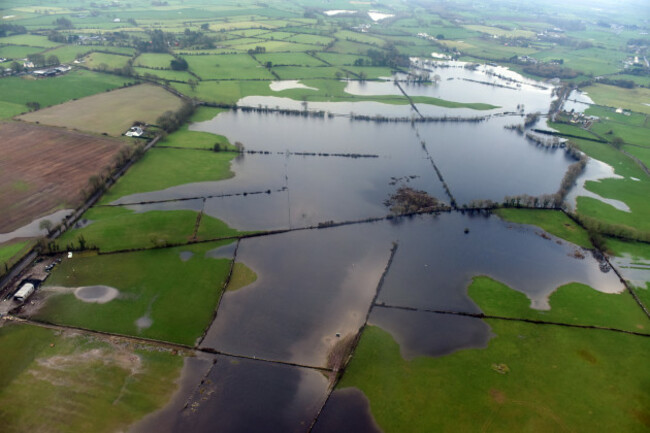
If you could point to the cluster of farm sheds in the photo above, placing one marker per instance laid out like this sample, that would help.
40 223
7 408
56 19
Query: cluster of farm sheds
29 68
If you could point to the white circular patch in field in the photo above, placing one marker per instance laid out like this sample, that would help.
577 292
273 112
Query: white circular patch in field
97 294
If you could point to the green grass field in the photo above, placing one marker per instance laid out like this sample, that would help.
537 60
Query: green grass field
11 252
241 276
226 66
154 60
117 228
76 383
185 138
495 31
68 53
632 192
16 91
558 379
178 296
99 61
17 52
112 113
164 74
29 40
574 303
612 96
164 168
554 222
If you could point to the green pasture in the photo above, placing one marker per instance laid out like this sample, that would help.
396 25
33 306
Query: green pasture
612 96
551 221
272 46
631 192
164 74
241 276
163 168
642 153
15 91
630 134
496 31
610 114
108 61
307 72
530 378
179 296
154 60
288 59
63 382
29 40
12 251
574 303
310 39
194 139
595 61
17 52
68 53
118 229
227 66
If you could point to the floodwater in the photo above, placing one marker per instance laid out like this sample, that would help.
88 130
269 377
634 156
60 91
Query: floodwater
486 84
636 271
223 252
428 334
32 229
378 16
241 395
500 162
346 411
278 86
311 285
436 261
594 171
315 288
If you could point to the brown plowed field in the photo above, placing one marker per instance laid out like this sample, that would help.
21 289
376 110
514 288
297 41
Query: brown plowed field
43 169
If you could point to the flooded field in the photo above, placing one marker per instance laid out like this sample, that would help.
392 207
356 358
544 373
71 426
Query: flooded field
241 395
436 260
314 289
270 320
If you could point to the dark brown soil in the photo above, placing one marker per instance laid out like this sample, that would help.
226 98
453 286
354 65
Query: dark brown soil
43 169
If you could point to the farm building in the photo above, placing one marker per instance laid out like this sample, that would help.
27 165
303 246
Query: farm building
24 292
135 131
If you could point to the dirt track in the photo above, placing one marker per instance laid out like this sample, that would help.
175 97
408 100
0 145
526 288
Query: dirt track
43 169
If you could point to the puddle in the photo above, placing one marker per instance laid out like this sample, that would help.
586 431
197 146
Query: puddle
429 334
186 255
143 322
96 294
278 86
346 411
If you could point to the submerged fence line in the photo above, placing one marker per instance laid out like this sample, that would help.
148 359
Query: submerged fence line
357 337
513 319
